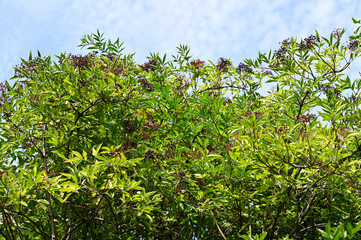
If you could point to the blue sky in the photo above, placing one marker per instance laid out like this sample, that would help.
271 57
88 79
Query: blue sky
235 29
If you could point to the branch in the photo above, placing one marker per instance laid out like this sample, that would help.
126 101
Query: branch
5 220
301 104
219 229
51 216
40 231
17 227
305 210
68 224
112 212
352 154
220 87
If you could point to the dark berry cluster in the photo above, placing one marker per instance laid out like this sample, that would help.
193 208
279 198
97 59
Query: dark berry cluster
129 126
308 42
151 155
3 99
129 145
170 152
150 65
30 66
79 61
281 130
245 85
353 45
286 42
268 72
212 148
126 147
214 94
146 85
111 57
197 63
223 64
182 173
114 152
180 84
249 113
305 118
3 90
227 101
117 70
354 100
281 52
328 90
244 68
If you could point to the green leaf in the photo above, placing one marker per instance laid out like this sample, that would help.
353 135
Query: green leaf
355 21
96 151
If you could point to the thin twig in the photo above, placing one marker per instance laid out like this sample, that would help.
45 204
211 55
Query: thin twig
51 216
219 229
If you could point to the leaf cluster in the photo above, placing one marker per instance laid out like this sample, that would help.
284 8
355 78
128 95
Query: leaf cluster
98 146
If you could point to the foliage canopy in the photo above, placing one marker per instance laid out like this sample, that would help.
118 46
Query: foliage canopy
100 147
